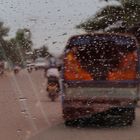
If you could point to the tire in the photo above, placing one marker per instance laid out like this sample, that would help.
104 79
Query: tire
29 71
76 123
52 99
129 117
2 72
16 71
68 123
71 123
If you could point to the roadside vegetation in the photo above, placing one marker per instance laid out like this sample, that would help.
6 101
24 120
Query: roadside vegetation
121 18
14 50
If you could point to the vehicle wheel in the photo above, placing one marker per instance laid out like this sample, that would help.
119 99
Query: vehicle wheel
127 122
129 117
2 72
71 123
52 99
136 102
68 123
130 122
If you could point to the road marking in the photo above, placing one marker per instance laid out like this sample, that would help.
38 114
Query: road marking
28 135
23 103
38 100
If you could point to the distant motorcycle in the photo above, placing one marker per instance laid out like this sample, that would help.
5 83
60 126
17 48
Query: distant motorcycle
16 70
29 69
53 88
1 72
1 68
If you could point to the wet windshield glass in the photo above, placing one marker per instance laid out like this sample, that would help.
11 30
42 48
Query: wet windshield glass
69 69
103 54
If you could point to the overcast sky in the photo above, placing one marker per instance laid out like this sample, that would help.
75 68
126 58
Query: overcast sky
51 22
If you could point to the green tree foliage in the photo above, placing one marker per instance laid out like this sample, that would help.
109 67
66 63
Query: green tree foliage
23 39
118 17
14 50
41 52
3 44
20 45
44 51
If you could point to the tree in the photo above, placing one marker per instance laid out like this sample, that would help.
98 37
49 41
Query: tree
23 39
114 18
12 52
3 32
44 51
41 52
23 44
8 48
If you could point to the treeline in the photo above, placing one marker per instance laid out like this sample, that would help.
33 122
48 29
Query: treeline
121 18
14 50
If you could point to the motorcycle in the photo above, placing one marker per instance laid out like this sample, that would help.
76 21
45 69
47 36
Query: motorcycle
1 68
29 69
1 72
53 88
16 70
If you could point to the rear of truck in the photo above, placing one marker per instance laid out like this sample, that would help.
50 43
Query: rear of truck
100 78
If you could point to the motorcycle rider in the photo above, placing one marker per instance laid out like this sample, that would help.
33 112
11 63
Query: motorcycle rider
53 76
51 68
16 69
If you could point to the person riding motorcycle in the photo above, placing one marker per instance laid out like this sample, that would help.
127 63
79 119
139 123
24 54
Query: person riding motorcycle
53 76
16 69
53 88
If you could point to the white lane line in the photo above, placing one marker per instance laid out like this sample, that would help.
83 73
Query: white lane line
35 91
23 103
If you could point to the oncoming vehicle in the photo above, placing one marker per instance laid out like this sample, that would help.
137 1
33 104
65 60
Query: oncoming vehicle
29 66
40 63
100 75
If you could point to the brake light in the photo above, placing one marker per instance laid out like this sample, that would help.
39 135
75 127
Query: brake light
73 69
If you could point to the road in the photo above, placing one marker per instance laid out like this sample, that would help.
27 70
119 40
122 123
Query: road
25 108
27 114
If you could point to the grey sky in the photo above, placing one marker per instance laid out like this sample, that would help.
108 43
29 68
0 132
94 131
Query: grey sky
48 19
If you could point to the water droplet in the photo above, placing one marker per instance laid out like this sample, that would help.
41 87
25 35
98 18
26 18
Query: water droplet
23 111
19 130
22 98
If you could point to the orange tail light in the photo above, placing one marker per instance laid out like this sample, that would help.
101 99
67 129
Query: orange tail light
126 70
73 70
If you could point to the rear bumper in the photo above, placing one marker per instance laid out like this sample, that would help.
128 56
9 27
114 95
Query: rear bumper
115 112
39 67
75 111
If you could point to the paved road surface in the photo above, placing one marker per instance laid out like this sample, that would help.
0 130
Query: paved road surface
27 114
25 108
60 132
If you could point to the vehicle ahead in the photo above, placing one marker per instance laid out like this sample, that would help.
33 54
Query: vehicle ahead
40 63
100 78
16 69
1 67
53 87
29 66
